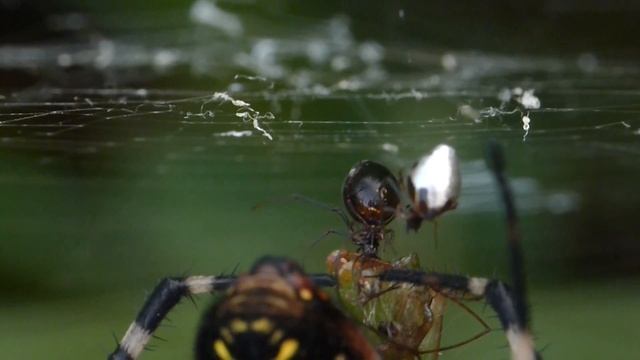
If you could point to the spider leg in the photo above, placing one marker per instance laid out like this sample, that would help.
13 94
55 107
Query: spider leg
497 164
327 233
341 214
322 280
317 203
164 297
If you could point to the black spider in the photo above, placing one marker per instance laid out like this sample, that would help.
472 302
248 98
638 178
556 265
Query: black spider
371 196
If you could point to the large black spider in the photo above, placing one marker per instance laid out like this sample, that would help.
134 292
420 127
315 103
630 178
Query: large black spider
276 311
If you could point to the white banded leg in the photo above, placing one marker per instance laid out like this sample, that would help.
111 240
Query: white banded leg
164 297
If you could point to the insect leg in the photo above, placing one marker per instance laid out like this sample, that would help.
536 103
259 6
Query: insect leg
311 201
322 280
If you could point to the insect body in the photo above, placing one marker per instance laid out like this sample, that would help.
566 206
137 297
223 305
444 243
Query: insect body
433 185
405 317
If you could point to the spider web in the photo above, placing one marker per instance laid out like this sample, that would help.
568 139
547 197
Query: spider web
282 90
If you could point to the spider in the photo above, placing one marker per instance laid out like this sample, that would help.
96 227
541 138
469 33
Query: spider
278 312
370 195
433 186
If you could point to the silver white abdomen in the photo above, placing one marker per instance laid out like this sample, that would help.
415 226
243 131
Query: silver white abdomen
436 179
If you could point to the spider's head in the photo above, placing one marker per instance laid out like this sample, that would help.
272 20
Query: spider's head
280 269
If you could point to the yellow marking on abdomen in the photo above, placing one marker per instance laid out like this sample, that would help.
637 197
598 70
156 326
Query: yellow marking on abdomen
262 325
277 335
306 294
226 334
221 350
288 349
238 326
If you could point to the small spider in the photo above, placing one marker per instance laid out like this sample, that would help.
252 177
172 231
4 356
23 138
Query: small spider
433 186
278 312
370 195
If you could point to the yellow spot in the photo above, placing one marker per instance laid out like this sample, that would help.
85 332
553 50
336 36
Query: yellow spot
340 357
288 348
221 350
239 326
262 325
277 335
226 335
306 294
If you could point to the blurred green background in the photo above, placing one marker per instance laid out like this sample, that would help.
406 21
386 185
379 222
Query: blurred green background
118 166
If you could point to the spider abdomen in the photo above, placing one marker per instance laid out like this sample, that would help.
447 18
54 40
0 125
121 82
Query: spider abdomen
268 316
